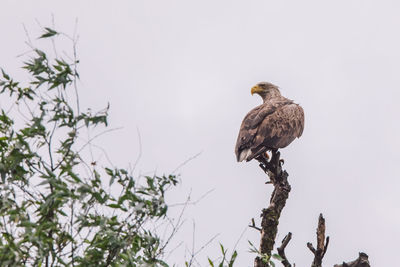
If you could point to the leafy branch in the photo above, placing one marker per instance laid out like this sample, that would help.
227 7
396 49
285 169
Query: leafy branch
58 207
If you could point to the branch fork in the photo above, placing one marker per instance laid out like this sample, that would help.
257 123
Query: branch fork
270 220
322 243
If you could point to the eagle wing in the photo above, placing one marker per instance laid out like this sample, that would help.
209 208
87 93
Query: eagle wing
272 125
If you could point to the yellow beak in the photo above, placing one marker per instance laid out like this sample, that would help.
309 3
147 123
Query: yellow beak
255 90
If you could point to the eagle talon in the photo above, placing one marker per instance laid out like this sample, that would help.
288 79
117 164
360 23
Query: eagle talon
263 167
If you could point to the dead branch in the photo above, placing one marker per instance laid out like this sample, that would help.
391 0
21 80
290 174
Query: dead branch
361 261
322 243
253 225
270 220
281 250
270 216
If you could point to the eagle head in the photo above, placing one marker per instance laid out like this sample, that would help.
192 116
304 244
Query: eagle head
266 90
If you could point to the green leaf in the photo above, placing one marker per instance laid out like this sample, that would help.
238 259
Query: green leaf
52 196
253 249
74 176
162 263
109 171
277 257
233 258
114 206
222 249
5 75
48 33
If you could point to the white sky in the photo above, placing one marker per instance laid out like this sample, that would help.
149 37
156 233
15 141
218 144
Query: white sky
181 72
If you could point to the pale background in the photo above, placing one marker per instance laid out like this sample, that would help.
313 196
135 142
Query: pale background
181 72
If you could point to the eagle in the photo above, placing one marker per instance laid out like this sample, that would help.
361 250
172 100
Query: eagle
269 126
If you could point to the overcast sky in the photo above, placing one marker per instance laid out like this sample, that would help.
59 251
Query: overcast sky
181 71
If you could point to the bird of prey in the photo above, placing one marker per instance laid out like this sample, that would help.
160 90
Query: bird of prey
269 126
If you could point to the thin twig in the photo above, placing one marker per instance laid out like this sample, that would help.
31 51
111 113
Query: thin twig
177 226
240 238
185 162
192 202
132 168
193 255
96 136
253 225
53 24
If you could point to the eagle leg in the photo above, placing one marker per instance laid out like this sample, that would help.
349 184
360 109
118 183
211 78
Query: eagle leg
264 163
275 157
272 166
276 162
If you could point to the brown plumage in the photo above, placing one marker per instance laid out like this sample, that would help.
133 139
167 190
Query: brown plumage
269 126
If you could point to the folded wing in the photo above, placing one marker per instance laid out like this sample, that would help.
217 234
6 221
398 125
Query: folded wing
272 125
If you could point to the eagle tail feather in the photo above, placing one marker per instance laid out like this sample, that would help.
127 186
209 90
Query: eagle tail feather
257 153
244 154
